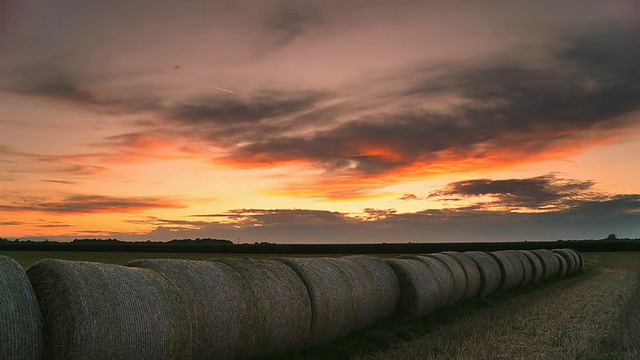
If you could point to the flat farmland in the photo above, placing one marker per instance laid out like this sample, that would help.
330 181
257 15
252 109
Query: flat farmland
594 315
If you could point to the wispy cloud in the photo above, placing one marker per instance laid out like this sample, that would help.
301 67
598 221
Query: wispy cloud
86 204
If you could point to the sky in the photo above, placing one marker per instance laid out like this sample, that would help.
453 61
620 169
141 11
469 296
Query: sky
320 121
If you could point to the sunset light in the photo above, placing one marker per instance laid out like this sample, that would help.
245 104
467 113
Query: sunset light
334 121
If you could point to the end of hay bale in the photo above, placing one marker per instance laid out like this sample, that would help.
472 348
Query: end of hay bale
471 272
512 272
550 263
442 274
570 257
564 268
381 289
578 257
537 269
456 270
104 311
21 322
332 296
527 267
282 306
490 274
420 290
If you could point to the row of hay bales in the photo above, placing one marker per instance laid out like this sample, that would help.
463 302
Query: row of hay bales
228 308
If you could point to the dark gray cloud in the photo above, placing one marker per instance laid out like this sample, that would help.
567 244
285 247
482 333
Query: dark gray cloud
535 192
86 204
512 109
232 111
49 81
292 22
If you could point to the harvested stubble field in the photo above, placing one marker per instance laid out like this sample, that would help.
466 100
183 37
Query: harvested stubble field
593 316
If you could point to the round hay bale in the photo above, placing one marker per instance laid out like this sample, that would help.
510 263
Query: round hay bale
456 270
490 274
537 270
384 288
102 311
570 260
526 266
512 272
21 321
550 263
564 266
334 301
261 307
579 259
442 274
363 283
471 273
420 290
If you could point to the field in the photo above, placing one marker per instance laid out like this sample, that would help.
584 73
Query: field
594 315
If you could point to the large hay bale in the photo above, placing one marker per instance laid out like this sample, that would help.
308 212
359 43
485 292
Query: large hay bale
579 258
564 266
334 301
20 317
569 258
511 270
101 311
442 274
262 307
550 263
382 286
282 306
459 277
536 266
420 290
490 274
471 273
527 266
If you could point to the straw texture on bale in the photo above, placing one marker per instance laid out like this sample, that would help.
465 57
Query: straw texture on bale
442 274
471 272
490 274
550 263
334 301
381 286
527 267
536 266
101 311
420 290
282 306
569 260
456 270
20 317
511 270
579 259
564 265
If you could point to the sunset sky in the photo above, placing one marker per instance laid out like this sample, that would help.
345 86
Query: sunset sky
316 121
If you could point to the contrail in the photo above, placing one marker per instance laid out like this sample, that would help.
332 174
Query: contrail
222 89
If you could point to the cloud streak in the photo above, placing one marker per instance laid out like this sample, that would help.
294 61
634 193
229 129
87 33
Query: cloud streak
86 204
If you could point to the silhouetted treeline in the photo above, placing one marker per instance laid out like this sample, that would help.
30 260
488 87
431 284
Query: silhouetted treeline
226 246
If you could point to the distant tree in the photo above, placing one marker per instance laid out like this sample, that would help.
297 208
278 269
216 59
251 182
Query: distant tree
612 237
